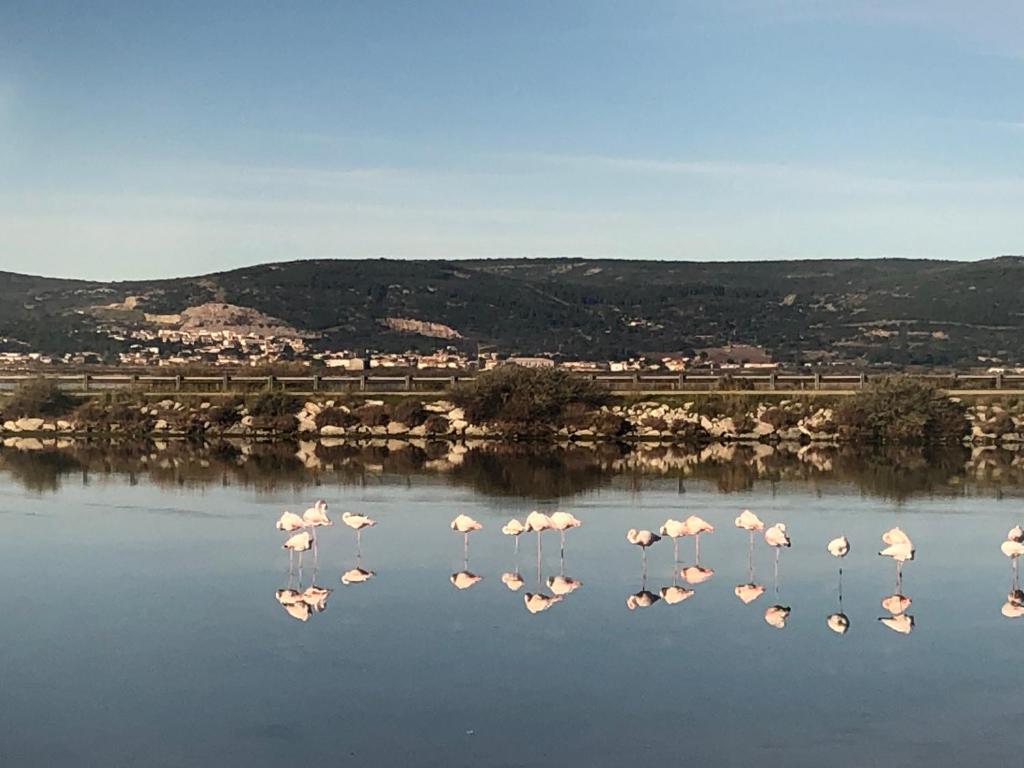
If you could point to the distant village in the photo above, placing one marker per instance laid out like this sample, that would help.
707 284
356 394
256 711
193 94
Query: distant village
204 348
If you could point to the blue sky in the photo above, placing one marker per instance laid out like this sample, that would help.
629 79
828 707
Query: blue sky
143 139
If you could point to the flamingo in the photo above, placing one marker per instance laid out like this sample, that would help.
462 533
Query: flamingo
561 522
896 604
749 592
562 585
357 522
300 542
290 522
357 575
642 599
675 594
674 529
903 623
642 539
749 522
316 517
900 548
513 528
1016 534
316 597
464 579
776 615
777 537
696 574
465 525
538 522
695 526
1012 549
512 580
838 623
838 547
536 602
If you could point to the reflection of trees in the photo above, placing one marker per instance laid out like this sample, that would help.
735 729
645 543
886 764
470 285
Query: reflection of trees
39 471
525 470
513 469
899 473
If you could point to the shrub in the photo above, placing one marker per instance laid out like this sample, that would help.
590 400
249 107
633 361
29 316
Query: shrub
609 424
373 415
436 425
271 405
656 423
526 397
226 414
900 410
410 412
38 398
335 417
781 418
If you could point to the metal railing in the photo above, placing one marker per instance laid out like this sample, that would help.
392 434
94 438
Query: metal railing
92 383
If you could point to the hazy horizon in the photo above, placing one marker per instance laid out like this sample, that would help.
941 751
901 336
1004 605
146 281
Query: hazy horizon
141 141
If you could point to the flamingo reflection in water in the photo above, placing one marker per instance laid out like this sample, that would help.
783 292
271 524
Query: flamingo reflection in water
776 615
538 602
465 578
839 622
1013 548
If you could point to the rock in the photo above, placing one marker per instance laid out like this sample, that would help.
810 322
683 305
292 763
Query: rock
763 429
373 402
160 425
28 425
458 424
441 406
312 408
64 426
418 431
396 428
306 425
456 414
10 426
246 421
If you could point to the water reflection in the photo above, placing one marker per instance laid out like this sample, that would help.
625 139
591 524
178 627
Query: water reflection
493 468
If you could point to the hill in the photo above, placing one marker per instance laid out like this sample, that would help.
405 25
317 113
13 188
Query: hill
898 310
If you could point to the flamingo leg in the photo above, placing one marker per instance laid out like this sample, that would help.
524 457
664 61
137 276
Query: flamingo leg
562 551
465 546
776 577
675 548
517 544
697 548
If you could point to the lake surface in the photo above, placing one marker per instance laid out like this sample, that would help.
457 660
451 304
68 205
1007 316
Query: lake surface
142 623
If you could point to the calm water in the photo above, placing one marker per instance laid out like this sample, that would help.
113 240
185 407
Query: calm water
141 627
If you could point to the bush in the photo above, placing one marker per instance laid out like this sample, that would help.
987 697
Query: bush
900 410
335 417
38 398
373 415
527 397
436 425
609 424
272 405
781 418
410 412
226 414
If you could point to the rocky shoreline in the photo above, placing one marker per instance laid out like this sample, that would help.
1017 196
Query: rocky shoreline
691 422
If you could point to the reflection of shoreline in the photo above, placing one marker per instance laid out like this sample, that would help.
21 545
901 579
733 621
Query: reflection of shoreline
509 469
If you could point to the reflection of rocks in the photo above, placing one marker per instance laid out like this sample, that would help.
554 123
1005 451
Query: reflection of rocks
509 468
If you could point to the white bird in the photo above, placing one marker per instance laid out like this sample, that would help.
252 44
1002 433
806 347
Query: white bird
895 536
776 615
563 585
290 522
537 602
748 593
538 522
561 522
357 576
512 580
513 528
1016 534
1012 549
676 594
357 523
900 548
465 525
748 521
838 547
695 526
838 623
642 539
316 516
464 579
300 542
675 530
696 574
904 623
896 604
776 536
642 599
316 597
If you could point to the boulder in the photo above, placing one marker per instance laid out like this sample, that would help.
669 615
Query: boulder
397 428
28 425
456 414
441 406
458 424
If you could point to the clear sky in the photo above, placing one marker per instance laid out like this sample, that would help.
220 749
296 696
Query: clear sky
146 139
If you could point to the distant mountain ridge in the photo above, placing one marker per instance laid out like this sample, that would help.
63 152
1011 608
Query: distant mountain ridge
900 310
